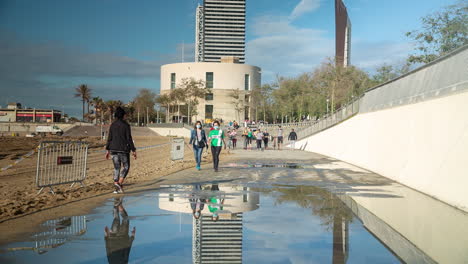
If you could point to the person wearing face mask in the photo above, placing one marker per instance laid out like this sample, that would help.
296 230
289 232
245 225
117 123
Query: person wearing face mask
198 141
216 138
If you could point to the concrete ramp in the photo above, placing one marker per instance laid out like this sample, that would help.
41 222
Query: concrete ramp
421 143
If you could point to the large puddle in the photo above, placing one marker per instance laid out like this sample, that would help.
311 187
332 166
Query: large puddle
209 223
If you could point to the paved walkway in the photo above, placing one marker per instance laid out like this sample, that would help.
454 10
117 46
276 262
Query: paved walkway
282 167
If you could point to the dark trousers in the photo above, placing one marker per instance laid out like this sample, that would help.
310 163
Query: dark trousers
265 141
120 159
259 143
215 151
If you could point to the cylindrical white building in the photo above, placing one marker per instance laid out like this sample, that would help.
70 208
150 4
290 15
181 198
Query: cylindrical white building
223 79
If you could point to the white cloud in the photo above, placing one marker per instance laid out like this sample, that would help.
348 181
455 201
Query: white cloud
285 49
369 55
305 6
280 47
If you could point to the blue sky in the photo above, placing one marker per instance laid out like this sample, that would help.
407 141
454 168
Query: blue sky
48 47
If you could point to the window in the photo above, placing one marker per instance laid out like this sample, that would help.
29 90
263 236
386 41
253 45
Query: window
208 111
173 80
209 80
247 82
209 97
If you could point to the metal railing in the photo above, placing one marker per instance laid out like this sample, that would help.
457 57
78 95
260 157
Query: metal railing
61 162
330 120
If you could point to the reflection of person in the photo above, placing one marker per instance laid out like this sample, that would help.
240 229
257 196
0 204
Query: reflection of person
198 141
197 203
216 202
216 138
119 145
118 242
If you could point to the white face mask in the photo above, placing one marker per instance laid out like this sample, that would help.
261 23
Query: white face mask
216 127
198 126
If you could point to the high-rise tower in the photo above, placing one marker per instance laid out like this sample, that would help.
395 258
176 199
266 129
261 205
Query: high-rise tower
342 35
220 30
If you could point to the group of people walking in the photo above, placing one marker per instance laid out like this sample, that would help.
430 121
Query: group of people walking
120 143
216 140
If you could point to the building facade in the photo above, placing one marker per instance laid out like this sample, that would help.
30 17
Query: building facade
342 35
14 113
223 79
220 30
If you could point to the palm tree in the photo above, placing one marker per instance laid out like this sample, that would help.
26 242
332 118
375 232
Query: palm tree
84 93
111 106
99 106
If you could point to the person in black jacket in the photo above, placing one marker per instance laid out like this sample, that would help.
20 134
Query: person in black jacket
292 139
119 145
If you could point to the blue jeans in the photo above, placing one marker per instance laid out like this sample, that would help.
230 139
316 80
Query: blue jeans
198 154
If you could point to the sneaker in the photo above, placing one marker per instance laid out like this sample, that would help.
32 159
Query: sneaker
198 168
118 187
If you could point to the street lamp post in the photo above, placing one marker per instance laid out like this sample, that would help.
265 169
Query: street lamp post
328 100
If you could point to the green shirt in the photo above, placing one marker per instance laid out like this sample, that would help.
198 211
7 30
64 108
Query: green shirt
215 205
216 137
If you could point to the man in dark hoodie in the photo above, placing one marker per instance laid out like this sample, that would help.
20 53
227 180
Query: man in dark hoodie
119 145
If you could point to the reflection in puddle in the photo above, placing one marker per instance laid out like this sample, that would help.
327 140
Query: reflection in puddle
212 223
59 232
118 240
263 165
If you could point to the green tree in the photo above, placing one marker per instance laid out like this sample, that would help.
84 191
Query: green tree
237 101
111 106
99 107
166 101
84 93
143 103
178 97
441 32
192 90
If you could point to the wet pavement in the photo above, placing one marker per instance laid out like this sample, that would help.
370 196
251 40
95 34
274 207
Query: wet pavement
306 209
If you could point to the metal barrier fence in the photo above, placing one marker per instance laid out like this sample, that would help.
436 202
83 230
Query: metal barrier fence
177 150
61 162
59 231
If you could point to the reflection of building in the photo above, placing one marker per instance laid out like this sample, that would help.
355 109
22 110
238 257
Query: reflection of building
220 30
14 113
342 35
222 79
340 239
217 241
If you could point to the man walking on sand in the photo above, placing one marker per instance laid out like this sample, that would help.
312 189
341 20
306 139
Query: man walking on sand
119 145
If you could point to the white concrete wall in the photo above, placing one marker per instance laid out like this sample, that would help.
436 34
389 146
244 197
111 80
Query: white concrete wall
422 145
172 131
